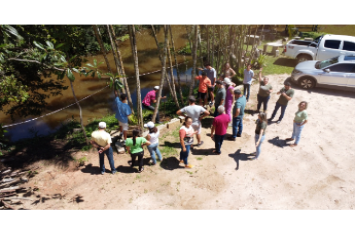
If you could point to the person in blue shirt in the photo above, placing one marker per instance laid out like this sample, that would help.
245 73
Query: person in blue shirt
123 111
248 79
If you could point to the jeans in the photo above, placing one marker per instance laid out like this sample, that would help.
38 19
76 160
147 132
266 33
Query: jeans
296 134
109 154
247 89
140 159
263 100
218 140
216 110
258 148
283 109
184 155
152 108
237 126
153 149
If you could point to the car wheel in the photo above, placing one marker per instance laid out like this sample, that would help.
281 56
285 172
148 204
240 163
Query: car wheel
303 57
307 83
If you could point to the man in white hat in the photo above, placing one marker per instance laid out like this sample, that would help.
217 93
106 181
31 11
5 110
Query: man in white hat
151 98
101 140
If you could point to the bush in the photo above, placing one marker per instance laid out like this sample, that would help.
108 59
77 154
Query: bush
259 62
312 34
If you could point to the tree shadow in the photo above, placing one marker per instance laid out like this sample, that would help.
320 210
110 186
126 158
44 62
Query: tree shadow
238 156
278 142
170 163
287 62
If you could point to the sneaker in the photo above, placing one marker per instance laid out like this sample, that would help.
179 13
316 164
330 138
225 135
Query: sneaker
269 120
252 159
253 154
278 122
189 166
113 173
181 161
289 139
102 173
239 135
139 171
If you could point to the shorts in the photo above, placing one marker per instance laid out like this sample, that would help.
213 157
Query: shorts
124 126
197 127
211 89
201 95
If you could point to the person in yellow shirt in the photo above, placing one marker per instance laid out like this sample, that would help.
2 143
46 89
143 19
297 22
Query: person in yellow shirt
101 140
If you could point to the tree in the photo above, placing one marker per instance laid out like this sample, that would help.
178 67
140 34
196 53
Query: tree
132 34
163 70
103 51
194 58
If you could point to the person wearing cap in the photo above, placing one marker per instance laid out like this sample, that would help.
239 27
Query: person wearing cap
238 114
265 90
194 111
229 97
220 125
205 82
123 111
248 79
101 140
220 96
211 74
153 138
150 98
286 95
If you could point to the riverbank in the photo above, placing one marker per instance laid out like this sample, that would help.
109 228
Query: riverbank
318 174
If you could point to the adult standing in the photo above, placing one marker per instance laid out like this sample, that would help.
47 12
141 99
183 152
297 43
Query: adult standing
265 90
248 79
150 98
219 126
123 111
260 129
220 96
134 147
211 74
205 82
153 138
286 95
238 114
186 134
229 97
228 72
194 111
299 121
101 140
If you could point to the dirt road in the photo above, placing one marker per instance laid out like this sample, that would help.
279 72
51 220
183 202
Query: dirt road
318 174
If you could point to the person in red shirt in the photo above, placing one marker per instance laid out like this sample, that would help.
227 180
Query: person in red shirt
151 98
205 82
219 125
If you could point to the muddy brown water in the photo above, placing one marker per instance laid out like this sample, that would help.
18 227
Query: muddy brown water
101 103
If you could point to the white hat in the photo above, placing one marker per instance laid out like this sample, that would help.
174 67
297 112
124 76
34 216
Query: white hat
227 81
102 125
156 87
149 125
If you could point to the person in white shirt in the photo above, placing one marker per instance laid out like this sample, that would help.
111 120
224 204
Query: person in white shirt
153 138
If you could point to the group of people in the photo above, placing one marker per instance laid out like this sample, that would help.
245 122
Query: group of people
229 105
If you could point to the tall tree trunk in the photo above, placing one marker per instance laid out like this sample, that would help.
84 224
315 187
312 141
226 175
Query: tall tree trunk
194 57
99 40
80 114
132 34
172 77
253 47
163 71
173 94
212 57
219 49
246 50
123 73
189 36
200 44
176 63
208 43
117 63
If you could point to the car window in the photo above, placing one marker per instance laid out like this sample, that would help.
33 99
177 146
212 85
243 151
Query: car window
326 63
334 44
349 46
342 68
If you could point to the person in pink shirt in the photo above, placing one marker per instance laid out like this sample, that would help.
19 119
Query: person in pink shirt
228 103
151 98
219 126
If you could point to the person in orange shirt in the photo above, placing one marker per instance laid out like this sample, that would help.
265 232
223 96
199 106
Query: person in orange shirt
205 82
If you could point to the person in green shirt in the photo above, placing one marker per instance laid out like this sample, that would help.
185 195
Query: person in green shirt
286 95
238 114
299 121
265 90
260 129
134 147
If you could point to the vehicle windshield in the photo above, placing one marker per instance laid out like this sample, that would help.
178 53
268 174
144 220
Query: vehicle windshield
326 63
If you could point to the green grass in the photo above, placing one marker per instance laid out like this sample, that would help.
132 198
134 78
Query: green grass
271 68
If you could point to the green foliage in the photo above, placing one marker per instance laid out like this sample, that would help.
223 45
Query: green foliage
312 34
114 82
271 68
259 62
133 119
2 138
81 161
185 50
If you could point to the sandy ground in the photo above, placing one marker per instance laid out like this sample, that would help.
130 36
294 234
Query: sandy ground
318 174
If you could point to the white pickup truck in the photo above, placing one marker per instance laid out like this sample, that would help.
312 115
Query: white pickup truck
322 48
